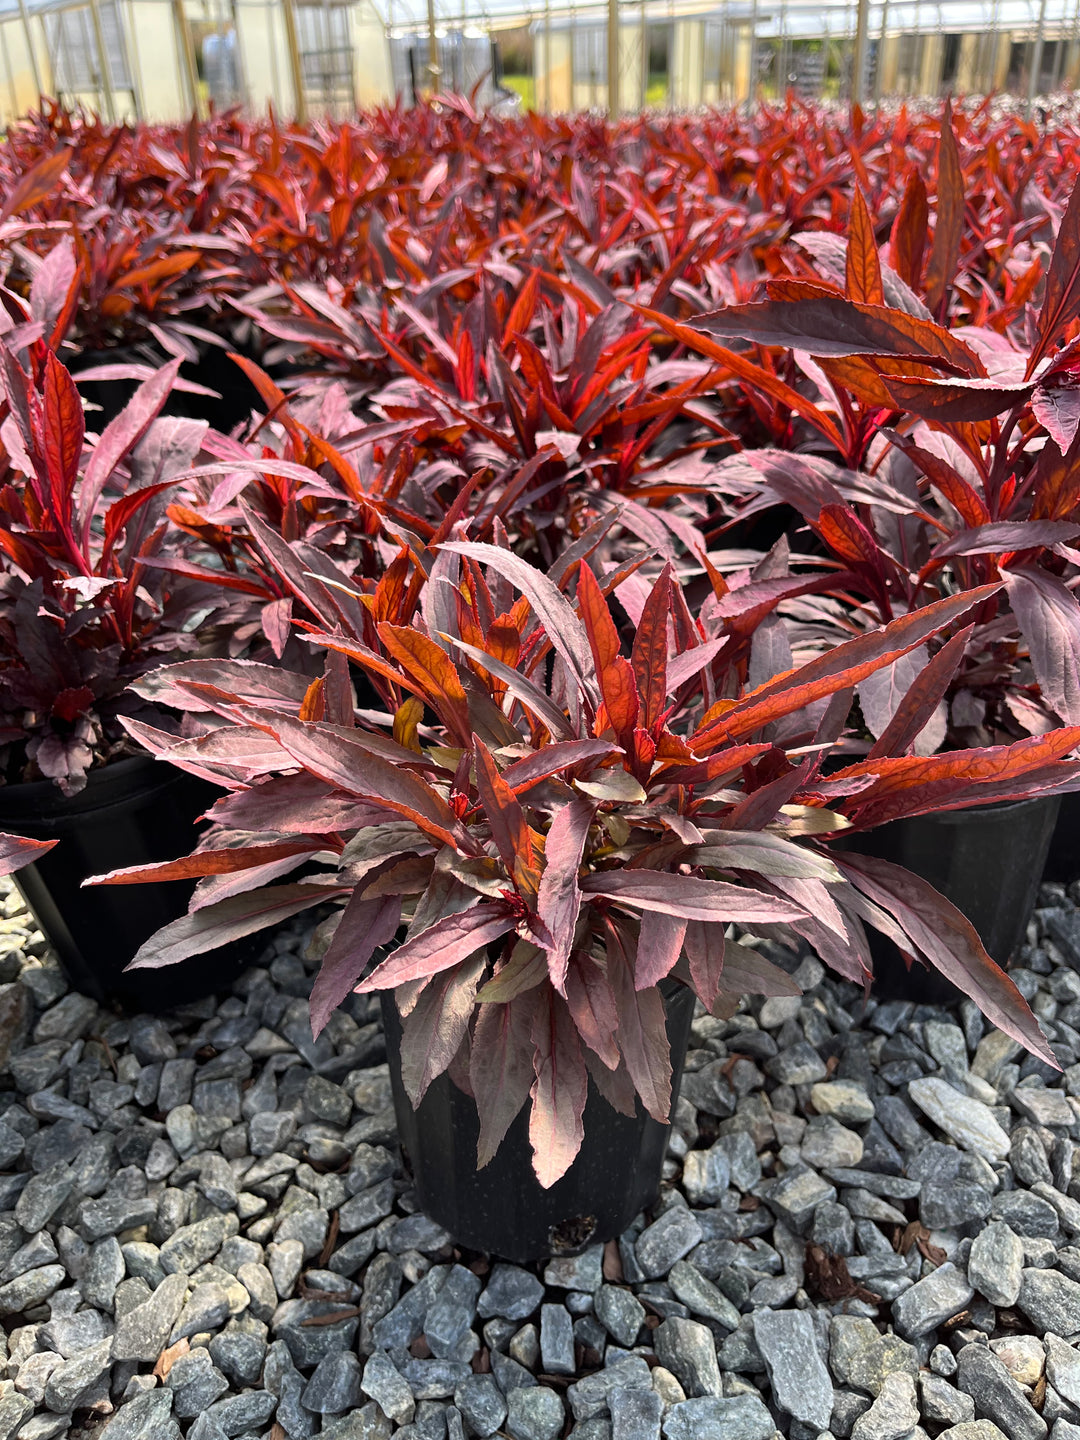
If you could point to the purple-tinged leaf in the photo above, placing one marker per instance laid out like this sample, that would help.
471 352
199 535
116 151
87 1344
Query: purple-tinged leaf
882 693
295 804
922 699
363 927
17 851
949 941
684 667
521 687
687 897
449 941
119 438
955 401
748 973
830 325
229 920
500 1070
1061 299
592 1005
614 1085
559 1091
433 1031
205 862
643 1040
1056 406
276 619
559 898
353 767
705 955
1007 535
660 943
1049 617
551 607
949 217
522 775
842 666
247 682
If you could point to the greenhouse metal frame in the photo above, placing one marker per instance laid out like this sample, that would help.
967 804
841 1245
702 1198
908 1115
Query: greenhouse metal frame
161 60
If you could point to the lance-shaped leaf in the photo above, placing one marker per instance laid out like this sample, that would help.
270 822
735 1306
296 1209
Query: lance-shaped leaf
841 667
509 828
17 851
1007 535
882 693
555 613
500 1070
643 1039
922 698
1049 617
684 667
1061 299
863 266
950 401
120 437
949 217
206 862
705 953
245 681
352 767
762 852
829 325
1057 408
748 973
954 780
434 1029
36 183
687 897
227 921
447 942
949 941
660 943
591 1003
618 685
650 652
435 674
907 240
564 755
559 899
295 804
363 927
520 687
559 1091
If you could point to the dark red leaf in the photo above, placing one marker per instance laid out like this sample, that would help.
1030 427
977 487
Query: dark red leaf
559 900
949 941
363 927
948 218
449 941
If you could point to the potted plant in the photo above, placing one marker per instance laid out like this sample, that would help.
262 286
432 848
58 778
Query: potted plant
957 452
552 841
82 613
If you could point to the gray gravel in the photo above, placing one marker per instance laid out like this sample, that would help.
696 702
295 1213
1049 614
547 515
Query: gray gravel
869 1228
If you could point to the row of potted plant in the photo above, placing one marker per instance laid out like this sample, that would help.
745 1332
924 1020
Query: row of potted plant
458 626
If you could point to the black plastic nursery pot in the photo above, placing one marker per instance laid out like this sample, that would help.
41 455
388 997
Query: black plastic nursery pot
1063 860
502 1208
988 861
133 811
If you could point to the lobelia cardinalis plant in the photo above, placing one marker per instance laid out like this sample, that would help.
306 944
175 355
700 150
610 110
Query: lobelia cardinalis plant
960 451
82 613
554 827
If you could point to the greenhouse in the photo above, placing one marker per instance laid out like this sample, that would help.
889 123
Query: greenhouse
159 59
